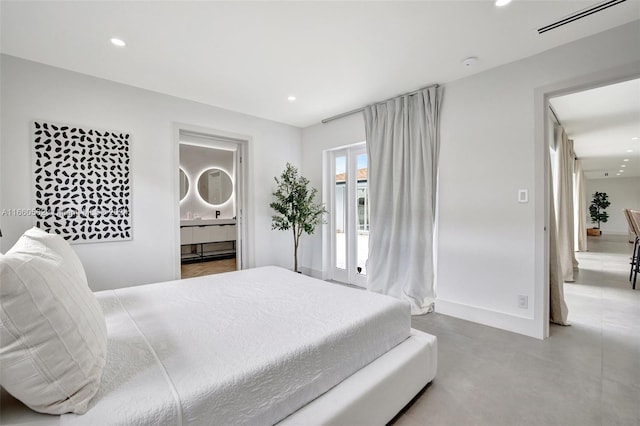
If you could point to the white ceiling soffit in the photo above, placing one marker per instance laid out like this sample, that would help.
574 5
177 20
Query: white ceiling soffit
603 123
250 56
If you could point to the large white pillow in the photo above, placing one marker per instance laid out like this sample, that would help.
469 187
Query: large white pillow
53 336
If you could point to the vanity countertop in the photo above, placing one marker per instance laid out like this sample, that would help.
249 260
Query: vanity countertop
205 222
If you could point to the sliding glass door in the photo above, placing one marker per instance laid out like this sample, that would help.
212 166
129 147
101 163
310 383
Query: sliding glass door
350 214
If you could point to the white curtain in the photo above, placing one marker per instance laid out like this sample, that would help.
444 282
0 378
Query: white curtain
403 146
580 207
563 196
558 311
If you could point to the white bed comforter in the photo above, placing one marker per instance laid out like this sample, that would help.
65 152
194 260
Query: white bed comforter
248 347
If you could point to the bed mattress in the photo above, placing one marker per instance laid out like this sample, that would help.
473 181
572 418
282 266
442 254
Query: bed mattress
247 347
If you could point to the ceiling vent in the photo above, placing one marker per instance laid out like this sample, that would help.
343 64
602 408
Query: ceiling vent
580 14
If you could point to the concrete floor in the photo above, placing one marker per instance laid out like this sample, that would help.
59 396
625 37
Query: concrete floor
584 374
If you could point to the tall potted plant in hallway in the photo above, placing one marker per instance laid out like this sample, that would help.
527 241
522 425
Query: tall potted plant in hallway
295 207
597 211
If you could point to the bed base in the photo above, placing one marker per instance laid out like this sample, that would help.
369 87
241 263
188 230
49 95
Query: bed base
371 396
377 392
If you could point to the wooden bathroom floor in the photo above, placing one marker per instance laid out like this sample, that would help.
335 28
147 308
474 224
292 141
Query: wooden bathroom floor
191 270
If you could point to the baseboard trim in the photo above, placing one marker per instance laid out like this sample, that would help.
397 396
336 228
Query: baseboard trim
312 273
504 321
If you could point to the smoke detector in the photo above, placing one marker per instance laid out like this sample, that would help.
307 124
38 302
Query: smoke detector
470 61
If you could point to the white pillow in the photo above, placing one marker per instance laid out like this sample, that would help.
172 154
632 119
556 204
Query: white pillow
53 336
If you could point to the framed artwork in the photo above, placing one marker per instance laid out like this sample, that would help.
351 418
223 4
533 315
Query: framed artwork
82 182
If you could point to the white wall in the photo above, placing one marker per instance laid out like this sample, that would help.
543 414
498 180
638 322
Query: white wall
34 91
624 193
490 246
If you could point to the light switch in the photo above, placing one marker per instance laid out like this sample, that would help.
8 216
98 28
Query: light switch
523 196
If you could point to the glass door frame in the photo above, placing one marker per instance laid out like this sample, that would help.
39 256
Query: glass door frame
350 273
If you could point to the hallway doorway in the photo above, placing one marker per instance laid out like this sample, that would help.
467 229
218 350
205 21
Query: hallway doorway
598 118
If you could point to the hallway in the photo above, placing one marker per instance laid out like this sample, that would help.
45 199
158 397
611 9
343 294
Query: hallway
586 374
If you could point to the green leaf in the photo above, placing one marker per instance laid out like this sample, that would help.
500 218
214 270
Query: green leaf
294 203
598 204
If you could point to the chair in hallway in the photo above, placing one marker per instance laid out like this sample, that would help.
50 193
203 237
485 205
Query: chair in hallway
633 218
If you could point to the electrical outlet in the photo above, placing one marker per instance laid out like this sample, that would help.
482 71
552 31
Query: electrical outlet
523 195
523 302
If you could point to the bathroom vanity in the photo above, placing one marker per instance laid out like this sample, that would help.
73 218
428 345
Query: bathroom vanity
205 239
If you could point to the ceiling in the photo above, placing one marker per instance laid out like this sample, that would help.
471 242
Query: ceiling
250 56
603 123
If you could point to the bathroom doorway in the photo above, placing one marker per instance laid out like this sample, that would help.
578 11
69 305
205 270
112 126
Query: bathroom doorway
210 175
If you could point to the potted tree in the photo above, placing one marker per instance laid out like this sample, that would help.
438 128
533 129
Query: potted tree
295 207
597 212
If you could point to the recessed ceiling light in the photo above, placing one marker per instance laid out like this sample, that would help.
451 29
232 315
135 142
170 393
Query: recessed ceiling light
621 171
626 159
501 3
617 174
291 98
623 165
629 150
118 42
635 138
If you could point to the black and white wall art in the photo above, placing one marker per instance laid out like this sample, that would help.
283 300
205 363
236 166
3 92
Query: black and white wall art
82 182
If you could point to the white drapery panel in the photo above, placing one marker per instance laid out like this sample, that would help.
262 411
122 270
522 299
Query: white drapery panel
403 147
558 311
563 197
580 207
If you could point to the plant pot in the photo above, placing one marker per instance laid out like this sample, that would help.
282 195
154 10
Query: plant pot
593 232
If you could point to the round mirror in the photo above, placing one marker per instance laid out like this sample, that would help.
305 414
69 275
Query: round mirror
215 186
184 185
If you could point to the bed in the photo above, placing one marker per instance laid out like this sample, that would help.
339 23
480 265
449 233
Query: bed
260 346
